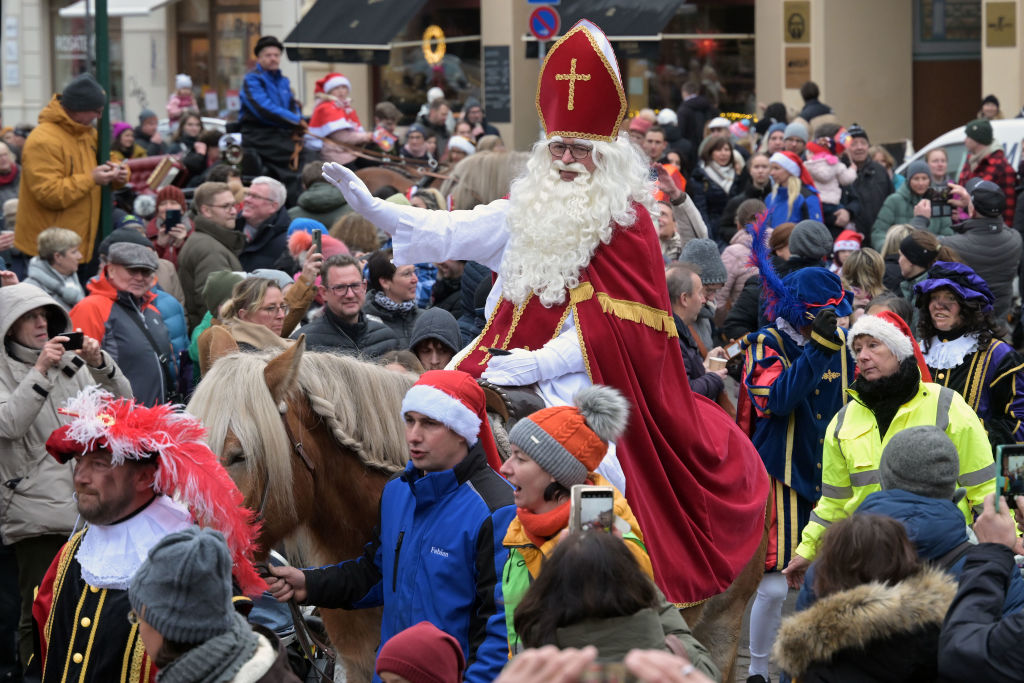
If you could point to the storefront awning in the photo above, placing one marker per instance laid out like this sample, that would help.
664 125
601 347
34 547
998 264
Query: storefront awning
115 8
622 20
333 31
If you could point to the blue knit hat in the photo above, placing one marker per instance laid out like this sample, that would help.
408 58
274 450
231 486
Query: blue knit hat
305 225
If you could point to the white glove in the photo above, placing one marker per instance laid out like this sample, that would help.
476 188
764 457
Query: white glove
384 215
517 369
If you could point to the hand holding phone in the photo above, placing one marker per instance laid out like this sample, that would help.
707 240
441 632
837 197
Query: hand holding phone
317 241
74 340
171 218
1010 473
592 508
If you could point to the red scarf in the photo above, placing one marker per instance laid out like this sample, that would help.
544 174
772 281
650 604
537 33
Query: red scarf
7 178
539 527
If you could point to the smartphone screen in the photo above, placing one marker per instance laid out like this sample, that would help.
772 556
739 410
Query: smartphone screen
592 509
317 241
1010 472
171 218
733 350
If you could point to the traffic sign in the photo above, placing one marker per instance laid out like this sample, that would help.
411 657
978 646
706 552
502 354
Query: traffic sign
544 23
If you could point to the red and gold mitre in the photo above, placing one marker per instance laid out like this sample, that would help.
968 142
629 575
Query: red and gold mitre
579 92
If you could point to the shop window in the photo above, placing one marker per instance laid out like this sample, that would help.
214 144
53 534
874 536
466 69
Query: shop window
73 51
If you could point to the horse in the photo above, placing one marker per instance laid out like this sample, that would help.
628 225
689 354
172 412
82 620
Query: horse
399 177
310 439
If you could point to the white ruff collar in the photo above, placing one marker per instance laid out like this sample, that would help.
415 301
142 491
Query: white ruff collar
110 555
949 354
795 336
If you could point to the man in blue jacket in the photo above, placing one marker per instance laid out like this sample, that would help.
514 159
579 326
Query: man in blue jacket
437 554
270 114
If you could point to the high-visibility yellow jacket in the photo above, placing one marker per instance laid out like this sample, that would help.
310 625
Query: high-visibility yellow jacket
853 450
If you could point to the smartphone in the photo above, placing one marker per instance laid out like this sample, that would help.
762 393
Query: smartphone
733 350
591 508
498 352
1010 473
74 342
317 241
171 218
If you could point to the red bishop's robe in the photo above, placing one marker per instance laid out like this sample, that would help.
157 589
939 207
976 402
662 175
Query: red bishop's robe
694 480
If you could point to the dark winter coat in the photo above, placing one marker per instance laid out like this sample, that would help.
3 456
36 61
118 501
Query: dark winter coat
867 194
693 114
993 251
322 202
369 338
400 322
269 243
208 249
727 223
701 381
873 632
474 277
977 643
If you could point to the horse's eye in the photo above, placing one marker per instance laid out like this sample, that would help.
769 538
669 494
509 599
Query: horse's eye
236 458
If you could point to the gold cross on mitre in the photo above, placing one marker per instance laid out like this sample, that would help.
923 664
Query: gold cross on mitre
572 77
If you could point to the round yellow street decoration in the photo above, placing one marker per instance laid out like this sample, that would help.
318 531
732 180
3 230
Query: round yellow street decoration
433 54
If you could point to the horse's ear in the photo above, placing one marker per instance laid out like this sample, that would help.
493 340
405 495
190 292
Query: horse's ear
282 372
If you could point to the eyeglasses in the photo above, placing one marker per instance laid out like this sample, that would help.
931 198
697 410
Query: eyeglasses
342 290
272 310
223 207
253 195
578 152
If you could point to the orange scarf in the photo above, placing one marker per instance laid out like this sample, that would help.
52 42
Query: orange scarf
539 527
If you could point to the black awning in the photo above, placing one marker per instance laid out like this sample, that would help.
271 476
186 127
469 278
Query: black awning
621 20
350 30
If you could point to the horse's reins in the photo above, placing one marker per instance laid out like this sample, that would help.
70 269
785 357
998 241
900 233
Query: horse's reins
308 640
406 163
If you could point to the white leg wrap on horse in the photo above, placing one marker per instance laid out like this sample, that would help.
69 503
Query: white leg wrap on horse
765 616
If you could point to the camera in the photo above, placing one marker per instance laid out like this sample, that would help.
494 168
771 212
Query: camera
939 197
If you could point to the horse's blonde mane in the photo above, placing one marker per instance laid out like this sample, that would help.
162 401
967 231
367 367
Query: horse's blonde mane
360 403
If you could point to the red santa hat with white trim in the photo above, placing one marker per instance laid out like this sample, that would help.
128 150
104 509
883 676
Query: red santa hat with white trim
893 331
186 468
330 82
579 92
454 399
848 240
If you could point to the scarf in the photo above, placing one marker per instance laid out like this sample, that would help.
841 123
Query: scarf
885 395
215 661
8 178
65 289
385 302
539 527
723 176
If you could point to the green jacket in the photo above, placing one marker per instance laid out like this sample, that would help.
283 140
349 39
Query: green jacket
897 209
853 450
646 630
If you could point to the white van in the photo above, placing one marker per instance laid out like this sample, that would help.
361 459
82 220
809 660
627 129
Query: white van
1009 133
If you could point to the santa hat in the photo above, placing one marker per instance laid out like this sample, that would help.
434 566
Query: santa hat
186 467
568 442
848 240
454 399
330 82
579 91
793 165
461 143
893 331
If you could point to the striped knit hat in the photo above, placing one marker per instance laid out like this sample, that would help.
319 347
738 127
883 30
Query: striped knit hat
570 441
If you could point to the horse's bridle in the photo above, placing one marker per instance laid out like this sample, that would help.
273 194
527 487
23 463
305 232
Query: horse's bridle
307 639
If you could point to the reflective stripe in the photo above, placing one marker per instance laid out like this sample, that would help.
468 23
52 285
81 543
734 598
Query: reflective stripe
978 476
819 520
838 492
840 417
942 408
864 478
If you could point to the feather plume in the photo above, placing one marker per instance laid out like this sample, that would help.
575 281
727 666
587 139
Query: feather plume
779 302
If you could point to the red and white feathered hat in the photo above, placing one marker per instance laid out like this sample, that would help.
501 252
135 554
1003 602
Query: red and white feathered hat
330 82
186 467
454 399
848 240
579 92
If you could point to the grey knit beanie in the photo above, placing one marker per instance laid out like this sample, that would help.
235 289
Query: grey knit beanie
570 441
83 93
920 460
810 239
183 589
703 253
796 130
917 167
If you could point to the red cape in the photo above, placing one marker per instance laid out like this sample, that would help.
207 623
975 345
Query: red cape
694 480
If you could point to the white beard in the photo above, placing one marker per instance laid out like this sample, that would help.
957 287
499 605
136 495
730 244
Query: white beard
553 232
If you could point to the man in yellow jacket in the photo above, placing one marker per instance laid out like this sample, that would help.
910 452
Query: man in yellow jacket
60 178
888 397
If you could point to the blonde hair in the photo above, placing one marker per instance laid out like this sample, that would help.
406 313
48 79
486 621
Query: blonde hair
483 177
890 162
793 188
247 296
52 241
893 236
356 232
864 269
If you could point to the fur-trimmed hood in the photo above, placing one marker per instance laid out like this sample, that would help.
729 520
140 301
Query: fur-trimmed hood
857 617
